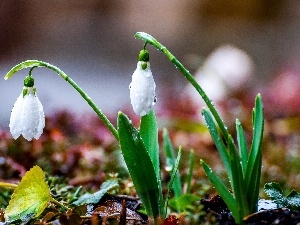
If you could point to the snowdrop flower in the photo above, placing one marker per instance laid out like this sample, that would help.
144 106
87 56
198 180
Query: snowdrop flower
224 71
142 87
27 116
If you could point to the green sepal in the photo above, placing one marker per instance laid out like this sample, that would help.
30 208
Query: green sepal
144 65
25 91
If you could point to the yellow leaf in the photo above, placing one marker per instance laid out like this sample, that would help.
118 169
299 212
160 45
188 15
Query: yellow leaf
30 198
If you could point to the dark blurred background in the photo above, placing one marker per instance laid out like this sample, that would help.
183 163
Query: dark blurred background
92 41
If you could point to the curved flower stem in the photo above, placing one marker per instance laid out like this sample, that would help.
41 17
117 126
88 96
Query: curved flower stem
58 203
35 63
151 40
8 185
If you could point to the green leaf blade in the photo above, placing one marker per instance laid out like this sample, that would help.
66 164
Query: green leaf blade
96 197
170 162
30 198
253 172
258 128
149 134
190 172
140 166
223 191
237 183
242 143
216 136
173 178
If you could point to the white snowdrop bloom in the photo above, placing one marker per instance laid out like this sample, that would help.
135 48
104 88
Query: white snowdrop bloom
233 65
142 90
224 71
27 116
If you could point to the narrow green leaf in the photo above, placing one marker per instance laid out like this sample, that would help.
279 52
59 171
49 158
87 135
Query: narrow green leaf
223 191
140 166
237 183
253 186
94 198
149 134
242 143
258 126
191 170
170 163
253 172
173 176
216 136
30 198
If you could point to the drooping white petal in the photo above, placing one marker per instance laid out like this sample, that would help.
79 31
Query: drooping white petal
41 119
27 117
30 116
15 118
142 90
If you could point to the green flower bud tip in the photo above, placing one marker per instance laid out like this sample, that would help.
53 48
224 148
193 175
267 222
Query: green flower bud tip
28 81
144 65
25 90
144 55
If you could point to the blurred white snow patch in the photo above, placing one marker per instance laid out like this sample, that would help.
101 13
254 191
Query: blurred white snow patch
264 204
224 71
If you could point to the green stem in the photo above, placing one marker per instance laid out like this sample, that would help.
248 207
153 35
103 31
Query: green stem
58 203
191 170
8 185
35 63
151 40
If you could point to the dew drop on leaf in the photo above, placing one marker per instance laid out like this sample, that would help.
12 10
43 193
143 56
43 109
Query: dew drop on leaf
168 167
